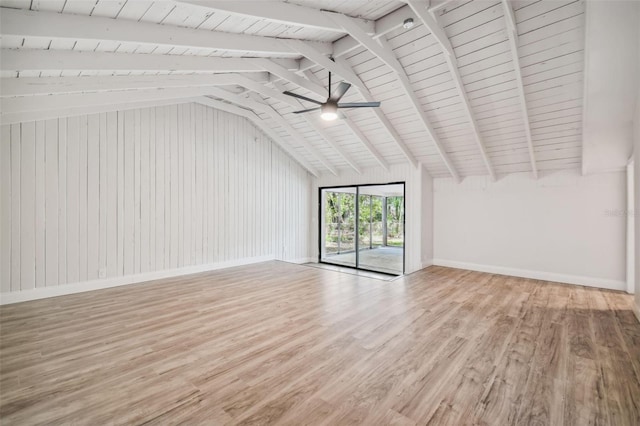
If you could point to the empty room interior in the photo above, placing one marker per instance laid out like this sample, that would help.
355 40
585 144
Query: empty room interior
320 212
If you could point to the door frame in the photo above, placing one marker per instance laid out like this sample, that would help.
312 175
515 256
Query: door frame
357 219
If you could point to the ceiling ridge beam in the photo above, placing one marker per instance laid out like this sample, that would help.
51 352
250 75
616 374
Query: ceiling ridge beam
275 116
260 124
279 12
438 33
27 23
383 51
39 86
56 60
324 134
513 44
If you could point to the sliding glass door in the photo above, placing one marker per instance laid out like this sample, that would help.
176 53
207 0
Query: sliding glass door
363 227
339 219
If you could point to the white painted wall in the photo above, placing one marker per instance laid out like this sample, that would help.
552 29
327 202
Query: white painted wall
611 74
636 206
413 205
143 193
562 227
631 226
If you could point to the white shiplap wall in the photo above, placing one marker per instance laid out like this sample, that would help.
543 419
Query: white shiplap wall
132 192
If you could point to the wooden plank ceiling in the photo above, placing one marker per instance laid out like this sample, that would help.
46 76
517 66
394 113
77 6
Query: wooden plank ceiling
459 102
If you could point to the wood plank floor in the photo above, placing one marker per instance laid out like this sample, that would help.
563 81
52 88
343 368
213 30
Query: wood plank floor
276 343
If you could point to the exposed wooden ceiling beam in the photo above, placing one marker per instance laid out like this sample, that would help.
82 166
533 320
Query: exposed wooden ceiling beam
260 124
21 117
285 74
312 121
34 86
457 79
318 58
510 18
276 117
73 100
434 6
280 12
438 33
381 49
264 90
26 23
382 27
513 45
56 60
429 21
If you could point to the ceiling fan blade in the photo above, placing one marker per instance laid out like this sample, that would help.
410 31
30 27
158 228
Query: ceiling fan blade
304 98
339 92
359 105
306 110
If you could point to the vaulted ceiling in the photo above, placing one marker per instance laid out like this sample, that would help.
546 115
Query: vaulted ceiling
473 88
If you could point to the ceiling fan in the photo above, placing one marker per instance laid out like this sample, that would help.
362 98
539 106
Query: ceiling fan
330 107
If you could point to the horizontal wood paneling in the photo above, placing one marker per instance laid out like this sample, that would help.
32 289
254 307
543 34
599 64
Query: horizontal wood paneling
123 193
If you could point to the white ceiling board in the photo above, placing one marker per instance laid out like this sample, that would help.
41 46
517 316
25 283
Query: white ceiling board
550 52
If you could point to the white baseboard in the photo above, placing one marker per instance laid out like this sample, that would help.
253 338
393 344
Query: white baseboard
302 260
65 289
537 275
426 263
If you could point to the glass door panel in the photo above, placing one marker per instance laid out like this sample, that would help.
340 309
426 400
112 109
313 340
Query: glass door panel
370 230
381 225
338 236
395 222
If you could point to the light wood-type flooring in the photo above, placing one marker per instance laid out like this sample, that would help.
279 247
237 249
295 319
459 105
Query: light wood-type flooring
276 343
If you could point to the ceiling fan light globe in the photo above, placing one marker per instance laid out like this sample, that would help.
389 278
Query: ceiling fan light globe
329 112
